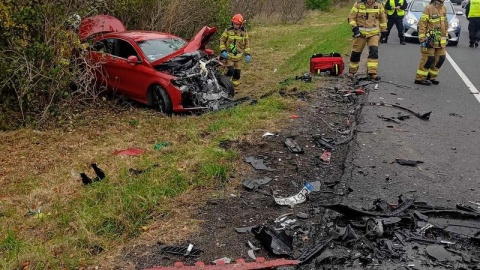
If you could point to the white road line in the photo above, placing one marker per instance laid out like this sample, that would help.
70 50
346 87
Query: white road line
464 77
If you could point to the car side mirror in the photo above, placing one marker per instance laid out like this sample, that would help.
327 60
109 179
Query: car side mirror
459 13
133 59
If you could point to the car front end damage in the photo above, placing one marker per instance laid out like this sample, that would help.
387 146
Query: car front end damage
196 77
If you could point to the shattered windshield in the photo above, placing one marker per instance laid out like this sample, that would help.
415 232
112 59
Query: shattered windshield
155 49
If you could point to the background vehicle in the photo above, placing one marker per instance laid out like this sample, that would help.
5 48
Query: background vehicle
464 3
415 10
154 68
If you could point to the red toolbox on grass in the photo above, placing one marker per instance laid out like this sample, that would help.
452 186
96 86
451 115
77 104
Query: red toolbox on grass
331 63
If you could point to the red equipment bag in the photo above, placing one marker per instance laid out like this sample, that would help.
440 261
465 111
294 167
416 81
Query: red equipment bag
331 63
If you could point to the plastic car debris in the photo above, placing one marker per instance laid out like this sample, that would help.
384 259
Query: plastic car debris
300 197
308 254
252 246
293 146
374 228
324 143
467 208
268 134
240 264
251 254
258 163
185 251
244 229
407 162
278 243
254 184
389 119
325 157
130 152
438 253
305 77
425 116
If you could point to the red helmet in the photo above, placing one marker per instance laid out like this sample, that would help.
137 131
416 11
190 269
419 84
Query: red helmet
238 19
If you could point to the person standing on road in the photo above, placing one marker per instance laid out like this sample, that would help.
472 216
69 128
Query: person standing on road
395 13
472 11
432 34
234 45
367 19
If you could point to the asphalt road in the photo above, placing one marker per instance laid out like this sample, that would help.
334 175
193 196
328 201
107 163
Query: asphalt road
448 144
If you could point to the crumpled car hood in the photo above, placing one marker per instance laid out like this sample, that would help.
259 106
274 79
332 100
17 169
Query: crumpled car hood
198 42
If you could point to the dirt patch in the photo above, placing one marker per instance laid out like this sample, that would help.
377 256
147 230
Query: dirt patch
322 114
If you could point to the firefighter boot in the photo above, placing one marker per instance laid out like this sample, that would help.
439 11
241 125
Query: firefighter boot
402 41
471 44
383 38
235 83
433 81
374 77
423 82
475 44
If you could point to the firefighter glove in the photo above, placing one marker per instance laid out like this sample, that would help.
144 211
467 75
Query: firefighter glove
224 54
356 32
248 58
423 44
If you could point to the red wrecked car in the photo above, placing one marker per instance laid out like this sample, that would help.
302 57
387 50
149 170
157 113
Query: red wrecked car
157 69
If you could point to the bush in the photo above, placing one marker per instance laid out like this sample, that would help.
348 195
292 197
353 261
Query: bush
324 5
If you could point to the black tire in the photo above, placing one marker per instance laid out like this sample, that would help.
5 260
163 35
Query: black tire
161 100
227 84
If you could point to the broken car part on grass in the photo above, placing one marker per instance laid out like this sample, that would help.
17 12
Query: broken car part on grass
240 264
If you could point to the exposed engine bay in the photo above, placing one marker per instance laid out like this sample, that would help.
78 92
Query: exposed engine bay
201 83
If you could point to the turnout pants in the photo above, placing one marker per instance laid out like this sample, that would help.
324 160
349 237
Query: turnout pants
234 69
474 30
430 63
398 22
357 48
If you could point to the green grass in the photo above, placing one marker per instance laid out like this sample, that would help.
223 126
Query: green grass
114 211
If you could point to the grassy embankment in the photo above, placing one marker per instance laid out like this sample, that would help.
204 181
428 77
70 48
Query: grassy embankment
76 222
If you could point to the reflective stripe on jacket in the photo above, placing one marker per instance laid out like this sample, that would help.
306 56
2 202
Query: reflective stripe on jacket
235 42
434 18
371 20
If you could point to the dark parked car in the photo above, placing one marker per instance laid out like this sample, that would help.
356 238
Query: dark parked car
415 10
154 68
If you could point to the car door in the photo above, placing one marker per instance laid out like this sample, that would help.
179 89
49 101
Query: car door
133 79
102 55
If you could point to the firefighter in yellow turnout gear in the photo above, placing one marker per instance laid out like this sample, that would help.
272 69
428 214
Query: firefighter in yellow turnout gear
432 33
234 45
367 19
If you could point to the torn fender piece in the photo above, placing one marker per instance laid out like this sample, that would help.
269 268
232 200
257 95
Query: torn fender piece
293 146
278 243
258 164
252 184
301 196
260 263
308 254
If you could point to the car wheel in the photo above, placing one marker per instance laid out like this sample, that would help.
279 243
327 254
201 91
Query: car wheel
161 100
227 84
